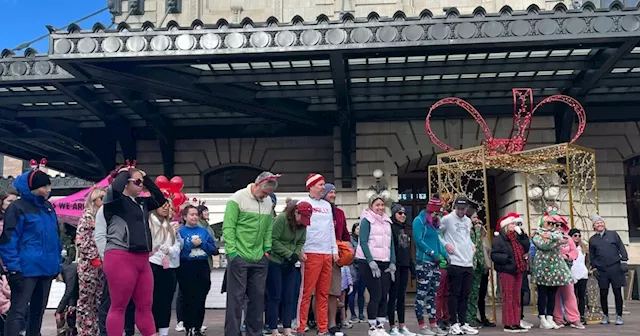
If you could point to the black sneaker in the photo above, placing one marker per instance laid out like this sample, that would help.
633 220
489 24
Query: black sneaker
333 330
521 329
511 329
488 324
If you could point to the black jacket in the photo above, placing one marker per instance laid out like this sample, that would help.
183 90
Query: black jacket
134 212
402 244
606 250
502 252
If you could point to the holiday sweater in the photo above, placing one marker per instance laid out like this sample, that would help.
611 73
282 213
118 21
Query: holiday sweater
549 268
478 255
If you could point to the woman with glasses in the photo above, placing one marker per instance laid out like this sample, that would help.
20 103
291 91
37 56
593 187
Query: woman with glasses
580 272
89 266
550 271
128 244
404 259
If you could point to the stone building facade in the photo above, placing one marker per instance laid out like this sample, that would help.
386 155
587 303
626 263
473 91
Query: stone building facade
210 11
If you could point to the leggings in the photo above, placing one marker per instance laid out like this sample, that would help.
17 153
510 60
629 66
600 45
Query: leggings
195 280
428 276
129 277
378 289
397 294
359 291
580 289
546 300
164 286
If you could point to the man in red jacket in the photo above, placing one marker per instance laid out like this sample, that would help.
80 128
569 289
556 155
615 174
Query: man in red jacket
342 234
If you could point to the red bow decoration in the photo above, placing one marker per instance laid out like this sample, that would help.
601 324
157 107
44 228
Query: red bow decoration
130 164
523 112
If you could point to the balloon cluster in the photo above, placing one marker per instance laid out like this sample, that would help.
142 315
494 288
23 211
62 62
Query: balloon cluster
172 189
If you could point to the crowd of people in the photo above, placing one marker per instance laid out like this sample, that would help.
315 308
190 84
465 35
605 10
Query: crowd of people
297 270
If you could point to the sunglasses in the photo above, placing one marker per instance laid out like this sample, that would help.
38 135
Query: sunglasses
401 213
557 225
137 182
577 235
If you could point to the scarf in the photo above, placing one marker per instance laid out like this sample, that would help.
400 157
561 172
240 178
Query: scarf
518 252
373 217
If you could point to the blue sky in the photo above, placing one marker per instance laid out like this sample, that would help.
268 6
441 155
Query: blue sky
25 20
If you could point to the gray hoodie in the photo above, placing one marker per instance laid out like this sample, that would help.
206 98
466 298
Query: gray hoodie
116 237
457 232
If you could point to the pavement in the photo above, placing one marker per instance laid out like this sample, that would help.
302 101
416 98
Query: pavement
214 320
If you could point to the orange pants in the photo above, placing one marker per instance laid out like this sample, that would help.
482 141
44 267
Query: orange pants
316 277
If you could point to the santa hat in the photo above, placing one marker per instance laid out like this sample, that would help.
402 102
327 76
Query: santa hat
435 204
313 179
510 218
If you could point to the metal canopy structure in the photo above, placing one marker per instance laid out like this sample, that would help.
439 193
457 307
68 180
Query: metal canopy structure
304 78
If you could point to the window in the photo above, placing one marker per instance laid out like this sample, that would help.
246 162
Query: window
229 179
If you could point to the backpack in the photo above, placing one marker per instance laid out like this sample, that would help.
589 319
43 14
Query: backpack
345 253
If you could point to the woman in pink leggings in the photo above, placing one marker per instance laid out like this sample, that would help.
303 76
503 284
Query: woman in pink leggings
126 258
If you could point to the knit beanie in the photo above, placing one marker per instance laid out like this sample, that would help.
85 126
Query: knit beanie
395 208
596 218
435 204
313 179
327 188
38 179
573 231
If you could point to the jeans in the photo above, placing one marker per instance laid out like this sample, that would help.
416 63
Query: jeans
28 295
280 293
359 288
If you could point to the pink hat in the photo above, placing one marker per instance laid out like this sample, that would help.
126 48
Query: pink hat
313 179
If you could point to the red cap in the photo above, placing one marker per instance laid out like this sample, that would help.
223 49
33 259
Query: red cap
305 210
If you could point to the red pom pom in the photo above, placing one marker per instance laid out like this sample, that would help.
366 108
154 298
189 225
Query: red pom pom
43 162
33 163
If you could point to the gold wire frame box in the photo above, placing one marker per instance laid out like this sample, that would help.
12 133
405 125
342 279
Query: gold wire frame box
464 172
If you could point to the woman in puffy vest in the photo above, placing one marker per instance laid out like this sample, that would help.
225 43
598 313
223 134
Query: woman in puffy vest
376 261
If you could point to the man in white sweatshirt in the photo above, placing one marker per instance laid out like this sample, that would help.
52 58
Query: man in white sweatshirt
319 253
455 229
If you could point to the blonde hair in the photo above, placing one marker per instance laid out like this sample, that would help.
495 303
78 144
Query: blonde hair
165 229
90 203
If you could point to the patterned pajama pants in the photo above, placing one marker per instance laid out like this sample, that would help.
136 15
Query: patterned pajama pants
428 279
472 308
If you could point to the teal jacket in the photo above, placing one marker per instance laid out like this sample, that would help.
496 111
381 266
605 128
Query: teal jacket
427 240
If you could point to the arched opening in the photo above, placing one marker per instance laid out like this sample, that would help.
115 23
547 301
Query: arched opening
229 179
632 192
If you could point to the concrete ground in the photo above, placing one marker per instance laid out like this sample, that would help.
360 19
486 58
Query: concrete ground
214 320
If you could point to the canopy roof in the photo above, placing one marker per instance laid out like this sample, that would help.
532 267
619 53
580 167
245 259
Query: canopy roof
305 77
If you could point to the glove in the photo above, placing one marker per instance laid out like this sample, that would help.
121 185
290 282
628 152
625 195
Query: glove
96 262
392 271
624 267
518 230
375 270
350 290
294 259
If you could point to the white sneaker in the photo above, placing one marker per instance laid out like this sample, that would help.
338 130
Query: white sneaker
180 326
426 331
394 332
467 329
347 325
544 324
406 332
455 329
373 332
552 322
203 329
525 324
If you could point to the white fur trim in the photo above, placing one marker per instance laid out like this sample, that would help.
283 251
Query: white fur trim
507 221
496 233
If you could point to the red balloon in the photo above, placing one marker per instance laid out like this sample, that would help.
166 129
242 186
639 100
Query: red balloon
176 184
178 199
162 182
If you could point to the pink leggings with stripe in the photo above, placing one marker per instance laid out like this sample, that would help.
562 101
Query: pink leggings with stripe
129 277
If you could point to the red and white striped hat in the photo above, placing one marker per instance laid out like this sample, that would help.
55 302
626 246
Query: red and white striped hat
313 179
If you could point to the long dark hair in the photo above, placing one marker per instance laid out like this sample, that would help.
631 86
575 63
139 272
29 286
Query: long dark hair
353 229
290 213
3 196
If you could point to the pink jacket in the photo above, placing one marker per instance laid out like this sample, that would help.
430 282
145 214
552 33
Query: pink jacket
569 248
5 295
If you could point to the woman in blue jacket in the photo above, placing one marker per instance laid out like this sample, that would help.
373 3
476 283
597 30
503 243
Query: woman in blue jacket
30 248
429 250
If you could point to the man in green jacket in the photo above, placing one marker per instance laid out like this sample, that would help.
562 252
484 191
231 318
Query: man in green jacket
247 230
